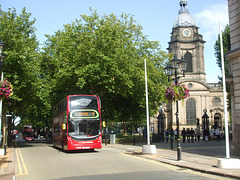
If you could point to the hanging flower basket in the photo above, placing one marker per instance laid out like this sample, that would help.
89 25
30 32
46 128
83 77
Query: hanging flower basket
176 92
6 89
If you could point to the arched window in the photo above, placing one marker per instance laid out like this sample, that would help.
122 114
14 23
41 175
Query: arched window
217 121
191 112
188 57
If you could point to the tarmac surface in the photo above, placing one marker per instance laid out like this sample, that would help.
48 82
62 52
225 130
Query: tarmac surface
198 156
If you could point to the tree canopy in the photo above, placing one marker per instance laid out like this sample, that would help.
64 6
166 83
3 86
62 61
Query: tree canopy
102 55
105 56
226 48
21 65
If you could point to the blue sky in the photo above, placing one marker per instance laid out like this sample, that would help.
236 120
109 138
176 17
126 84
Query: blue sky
155 16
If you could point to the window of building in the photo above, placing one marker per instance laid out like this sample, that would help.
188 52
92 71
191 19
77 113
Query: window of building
190 85
216 101
188 57
217 121
191 112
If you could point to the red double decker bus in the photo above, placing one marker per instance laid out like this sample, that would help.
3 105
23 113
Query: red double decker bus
77 123
27 133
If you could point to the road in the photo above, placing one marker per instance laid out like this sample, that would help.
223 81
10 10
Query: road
39 160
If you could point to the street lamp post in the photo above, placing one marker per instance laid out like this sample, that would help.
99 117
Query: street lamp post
198 123
177 64
205 123
161 118
9 137
6 135
2 57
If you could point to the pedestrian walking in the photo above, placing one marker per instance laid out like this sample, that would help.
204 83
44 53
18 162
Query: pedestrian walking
167 135
172 138
211 134
195 134
206 135
183 133
217 132
198 134
192 134
188 135
175 134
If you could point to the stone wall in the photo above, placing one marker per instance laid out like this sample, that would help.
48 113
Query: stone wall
233 58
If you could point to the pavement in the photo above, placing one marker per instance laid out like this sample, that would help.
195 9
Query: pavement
7 164
199 156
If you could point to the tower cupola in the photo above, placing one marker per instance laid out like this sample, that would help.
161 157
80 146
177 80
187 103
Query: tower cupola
184 18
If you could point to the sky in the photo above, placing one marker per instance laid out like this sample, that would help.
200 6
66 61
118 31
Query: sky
155 16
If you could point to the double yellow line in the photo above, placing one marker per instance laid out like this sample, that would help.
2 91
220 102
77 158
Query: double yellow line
21 164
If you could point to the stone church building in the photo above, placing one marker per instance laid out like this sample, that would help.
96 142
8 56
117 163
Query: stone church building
187 42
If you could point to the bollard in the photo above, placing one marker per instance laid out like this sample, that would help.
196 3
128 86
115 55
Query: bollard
5 149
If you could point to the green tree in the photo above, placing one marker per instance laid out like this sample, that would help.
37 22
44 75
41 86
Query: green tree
22 64
105 56
226 48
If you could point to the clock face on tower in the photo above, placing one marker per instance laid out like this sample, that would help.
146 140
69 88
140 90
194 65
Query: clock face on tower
186 32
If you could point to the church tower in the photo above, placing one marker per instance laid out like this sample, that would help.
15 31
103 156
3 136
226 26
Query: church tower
186 42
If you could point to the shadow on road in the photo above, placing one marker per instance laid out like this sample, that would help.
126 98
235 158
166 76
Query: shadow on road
75 151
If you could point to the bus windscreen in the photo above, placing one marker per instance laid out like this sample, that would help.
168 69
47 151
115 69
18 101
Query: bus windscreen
77 102
84 121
